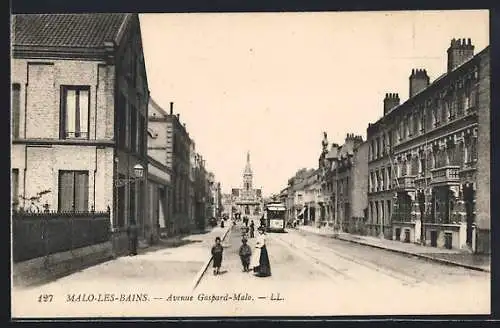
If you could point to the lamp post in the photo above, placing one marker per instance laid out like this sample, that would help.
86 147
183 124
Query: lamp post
132 229
137 176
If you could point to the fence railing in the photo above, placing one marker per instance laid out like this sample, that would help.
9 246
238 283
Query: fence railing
41 234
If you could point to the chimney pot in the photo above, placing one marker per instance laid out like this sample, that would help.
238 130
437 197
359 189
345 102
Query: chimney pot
171 108
391 100
459 52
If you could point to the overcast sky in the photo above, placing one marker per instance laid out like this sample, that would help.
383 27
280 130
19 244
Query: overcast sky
271 83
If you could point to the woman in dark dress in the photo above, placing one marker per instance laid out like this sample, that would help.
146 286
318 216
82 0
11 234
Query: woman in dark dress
263 268
217 255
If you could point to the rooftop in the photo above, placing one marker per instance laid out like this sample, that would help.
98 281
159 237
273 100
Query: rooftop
89 30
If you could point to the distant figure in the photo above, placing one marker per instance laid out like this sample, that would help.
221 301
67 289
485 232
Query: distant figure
252 229
222 223
132 234
260 259
245 254
217 251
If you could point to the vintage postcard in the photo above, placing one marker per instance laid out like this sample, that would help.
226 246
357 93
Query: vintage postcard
250 164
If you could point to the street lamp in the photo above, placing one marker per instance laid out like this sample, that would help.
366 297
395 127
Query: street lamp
138 175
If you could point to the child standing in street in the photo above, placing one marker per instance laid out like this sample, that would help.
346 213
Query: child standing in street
245 254
217 255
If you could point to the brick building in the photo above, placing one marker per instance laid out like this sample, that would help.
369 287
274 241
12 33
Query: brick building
430 156
79 106
159 172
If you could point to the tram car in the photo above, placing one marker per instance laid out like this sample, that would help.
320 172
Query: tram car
274 215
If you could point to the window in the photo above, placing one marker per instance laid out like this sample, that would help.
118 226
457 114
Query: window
73 191
443 111
15 186
133 128
16 109
450 107
131 204
75 107
474 149
435 113
416 123
121 116
421 127
120 220
142 131
383 183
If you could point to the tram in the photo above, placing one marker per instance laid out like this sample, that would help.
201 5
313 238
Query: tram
275 217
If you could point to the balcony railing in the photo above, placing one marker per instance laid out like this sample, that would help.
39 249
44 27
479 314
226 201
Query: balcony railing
420 181
406 183
445 175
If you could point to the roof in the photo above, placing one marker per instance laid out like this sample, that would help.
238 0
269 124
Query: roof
89 30
157 107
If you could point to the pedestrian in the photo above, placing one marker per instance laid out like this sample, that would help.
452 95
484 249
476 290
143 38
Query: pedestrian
222 223
132 235
245 254
217 255
252 229
260 259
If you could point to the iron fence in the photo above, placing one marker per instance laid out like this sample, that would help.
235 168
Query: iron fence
41 234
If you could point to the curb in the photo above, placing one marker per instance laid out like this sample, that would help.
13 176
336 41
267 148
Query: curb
426 257
204 268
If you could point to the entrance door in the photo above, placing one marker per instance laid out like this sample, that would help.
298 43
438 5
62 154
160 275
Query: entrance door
468 193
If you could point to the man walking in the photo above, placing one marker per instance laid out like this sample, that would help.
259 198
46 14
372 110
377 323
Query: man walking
132 238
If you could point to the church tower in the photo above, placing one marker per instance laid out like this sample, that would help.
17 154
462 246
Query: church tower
247 175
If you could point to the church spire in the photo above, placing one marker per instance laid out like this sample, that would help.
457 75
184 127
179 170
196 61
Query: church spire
248 167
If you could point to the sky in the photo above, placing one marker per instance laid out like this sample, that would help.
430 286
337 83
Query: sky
272 83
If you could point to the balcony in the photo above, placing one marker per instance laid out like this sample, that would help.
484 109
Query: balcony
446 176
421 181
468 172
406 183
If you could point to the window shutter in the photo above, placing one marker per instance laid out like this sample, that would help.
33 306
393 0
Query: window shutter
66 191
81 191
16 108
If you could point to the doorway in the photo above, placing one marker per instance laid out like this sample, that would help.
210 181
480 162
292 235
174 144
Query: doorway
468 194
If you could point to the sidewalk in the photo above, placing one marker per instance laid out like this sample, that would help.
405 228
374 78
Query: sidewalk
174 261
446 256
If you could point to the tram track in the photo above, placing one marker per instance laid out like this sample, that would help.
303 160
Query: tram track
314 247
321 265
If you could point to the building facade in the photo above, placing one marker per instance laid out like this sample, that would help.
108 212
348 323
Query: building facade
79 115
159 172
247 201
346 183
300 192
179 162
436 149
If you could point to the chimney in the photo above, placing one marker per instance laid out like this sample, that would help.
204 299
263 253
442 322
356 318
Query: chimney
419 80
391 100
171 108
178 116
459 52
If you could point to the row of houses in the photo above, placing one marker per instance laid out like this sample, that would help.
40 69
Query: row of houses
423 173
87 135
